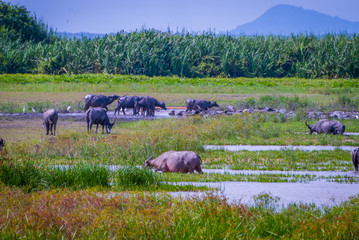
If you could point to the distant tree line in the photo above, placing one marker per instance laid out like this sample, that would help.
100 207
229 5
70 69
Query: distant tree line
28 46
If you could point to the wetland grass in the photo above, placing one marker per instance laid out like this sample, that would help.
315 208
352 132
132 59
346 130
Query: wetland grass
33 177
132 143
134 176
92 214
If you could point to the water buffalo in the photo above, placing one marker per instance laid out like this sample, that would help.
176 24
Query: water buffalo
173 161
355 158
127 102
148 105
199 104
98 116
50 120
98 101
2 143
327 126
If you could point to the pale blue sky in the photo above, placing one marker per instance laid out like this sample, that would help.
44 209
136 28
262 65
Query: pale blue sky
105 16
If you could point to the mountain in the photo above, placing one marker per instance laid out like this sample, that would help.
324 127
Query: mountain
286 20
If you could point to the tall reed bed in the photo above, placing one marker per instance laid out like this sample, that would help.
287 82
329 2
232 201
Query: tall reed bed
94 214
155 53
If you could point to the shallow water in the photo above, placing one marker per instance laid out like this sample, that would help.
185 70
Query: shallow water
114 168
351 133
319 192
259 172
235 148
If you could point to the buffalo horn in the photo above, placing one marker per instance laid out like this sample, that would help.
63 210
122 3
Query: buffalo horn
149 158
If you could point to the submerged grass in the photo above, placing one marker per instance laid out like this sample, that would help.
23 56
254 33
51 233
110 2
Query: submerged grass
284 160
102 214
262 177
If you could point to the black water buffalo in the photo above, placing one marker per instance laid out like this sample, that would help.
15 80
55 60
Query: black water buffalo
148 105
50 120
327 126
355 158
98 115
98 101
127 102
199 104
2 143
176 161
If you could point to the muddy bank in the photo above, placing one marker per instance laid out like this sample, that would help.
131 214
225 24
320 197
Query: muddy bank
180 112
80 116
230 110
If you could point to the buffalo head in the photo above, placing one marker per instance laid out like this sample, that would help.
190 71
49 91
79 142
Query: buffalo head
214 104
147 163
109 126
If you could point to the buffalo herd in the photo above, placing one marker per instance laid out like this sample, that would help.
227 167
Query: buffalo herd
172 161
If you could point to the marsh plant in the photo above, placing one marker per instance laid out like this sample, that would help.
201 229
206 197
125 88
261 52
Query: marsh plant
133 176
277 102
265 201
33 177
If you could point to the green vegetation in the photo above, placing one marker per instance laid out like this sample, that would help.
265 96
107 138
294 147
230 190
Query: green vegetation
137 176
133 142
154 53
40 200
100 214
33 177
17 23
329 85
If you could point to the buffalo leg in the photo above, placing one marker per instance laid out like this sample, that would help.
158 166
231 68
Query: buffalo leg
91 123
47 128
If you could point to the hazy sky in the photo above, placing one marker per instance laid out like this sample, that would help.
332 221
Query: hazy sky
105 16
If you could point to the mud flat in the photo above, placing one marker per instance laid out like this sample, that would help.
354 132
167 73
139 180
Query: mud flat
80 116
254 148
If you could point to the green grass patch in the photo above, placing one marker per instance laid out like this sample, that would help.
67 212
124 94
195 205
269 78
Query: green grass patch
33 177
132 143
